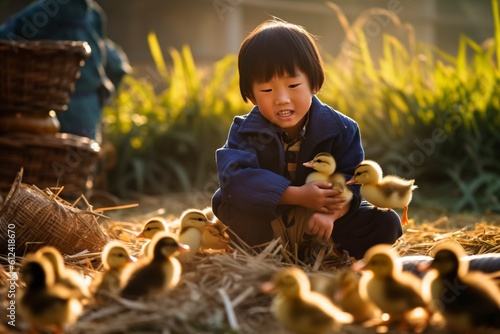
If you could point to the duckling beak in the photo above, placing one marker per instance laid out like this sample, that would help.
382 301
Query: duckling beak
308 164
140 236
182 248
267 287
351 181
131 259
359 265
424 266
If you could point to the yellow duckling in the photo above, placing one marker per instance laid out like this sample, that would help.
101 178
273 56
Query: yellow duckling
467 300
346 296
44 304
215 236
299 309
150 228
208 212
192 222
324 165
389 191
115 257
62 275
159 271
393 291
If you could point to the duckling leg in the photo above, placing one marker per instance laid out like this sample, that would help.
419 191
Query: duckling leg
404 220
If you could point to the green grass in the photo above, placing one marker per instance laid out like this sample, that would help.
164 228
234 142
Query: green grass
423 114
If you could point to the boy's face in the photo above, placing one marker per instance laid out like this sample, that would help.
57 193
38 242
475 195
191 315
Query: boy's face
284 101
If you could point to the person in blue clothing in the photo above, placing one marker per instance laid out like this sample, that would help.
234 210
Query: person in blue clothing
262 186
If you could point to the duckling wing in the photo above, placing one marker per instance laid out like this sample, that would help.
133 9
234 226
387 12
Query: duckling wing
391 192
302 317
392 184
394 296
143 281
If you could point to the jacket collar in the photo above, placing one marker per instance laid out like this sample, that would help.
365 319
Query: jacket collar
323 122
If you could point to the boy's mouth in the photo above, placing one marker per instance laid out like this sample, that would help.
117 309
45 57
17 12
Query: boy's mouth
285 113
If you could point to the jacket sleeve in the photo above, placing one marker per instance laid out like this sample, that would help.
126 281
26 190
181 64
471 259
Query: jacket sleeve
349 153
243 183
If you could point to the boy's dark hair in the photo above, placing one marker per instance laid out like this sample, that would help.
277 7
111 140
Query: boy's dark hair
277 48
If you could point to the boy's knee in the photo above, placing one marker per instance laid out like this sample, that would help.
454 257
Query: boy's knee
393 224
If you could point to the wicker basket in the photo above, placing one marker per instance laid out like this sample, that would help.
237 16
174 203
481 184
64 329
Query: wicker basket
31 218
60 160
39 76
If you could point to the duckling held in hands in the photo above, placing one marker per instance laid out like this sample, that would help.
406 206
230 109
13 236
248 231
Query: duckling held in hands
159 271
192 223
44 304
389 191
299 309
324 165
383 283
115 257
63 275
150 228
467 300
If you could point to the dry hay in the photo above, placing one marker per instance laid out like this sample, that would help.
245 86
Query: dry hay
220 291
477 238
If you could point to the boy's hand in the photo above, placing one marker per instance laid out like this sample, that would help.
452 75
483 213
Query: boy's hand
320 197
321 225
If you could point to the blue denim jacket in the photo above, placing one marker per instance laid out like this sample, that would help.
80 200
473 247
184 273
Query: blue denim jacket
251 166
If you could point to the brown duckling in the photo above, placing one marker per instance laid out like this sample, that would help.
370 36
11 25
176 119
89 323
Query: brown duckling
299 309
383 283
467 300
44 304
390 191
157 272
72 279
115 257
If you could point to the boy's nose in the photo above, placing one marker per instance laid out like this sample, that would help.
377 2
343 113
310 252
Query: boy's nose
281 97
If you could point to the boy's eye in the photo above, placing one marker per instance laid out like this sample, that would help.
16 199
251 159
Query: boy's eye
266 90
294 85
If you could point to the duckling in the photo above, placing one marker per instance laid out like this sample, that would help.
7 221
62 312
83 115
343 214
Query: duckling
192 222
115 257
63 275
299 309
44 304
324 165
467 300
383 283
150 228
346 296
159 271
215 236
390 191
209 213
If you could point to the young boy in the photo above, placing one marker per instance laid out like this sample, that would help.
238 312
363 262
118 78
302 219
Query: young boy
260 167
